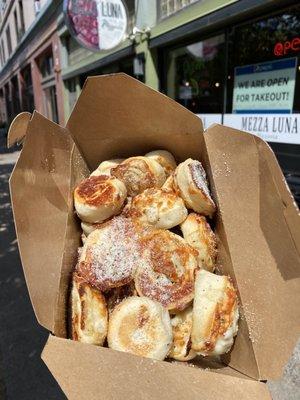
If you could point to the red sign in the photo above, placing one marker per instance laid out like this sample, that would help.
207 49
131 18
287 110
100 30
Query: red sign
290 46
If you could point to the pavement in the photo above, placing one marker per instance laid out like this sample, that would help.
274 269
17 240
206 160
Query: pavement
23 375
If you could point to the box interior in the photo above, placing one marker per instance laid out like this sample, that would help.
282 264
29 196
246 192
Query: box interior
127 118
183 141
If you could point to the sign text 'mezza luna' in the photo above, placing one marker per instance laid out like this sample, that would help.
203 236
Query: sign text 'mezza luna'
275 124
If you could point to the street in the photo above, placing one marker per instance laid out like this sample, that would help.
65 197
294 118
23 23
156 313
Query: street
23 375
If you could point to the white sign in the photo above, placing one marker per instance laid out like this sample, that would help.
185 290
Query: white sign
112 23
98 25
280 128
265 87
209 119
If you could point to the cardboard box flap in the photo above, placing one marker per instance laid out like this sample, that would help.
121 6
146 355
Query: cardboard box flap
39 187
261 225
91 371
291 209
119 106
18 128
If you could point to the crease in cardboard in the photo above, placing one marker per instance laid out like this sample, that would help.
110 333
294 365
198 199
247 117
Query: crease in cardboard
72 240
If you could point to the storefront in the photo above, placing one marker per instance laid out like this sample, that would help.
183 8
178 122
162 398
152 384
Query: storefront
244 75
76 71
80 45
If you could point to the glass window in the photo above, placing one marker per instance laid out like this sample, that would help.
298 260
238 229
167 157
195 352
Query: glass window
169 7
46 65
195 75
3 4
8 39
3 50
37 7
16 24
50 103
21 11
15 95
267 41
1 56
27 90
125 65
8 102
71 84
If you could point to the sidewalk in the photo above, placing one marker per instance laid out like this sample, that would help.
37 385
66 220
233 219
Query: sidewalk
23 375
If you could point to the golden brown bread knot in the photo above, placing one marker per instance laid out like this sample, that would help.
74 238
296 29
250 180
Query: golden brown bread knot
190 179
198 233
99 197
139 173
215 314
140 326
166 270
89 313
160 208
111 254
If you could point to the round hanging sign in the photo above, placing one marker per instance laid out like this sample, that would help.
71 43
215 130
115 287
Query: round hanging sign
96 24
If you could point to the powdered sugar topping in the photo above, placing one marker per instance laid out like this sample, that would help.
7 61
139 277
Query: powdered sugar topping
114 258
199 176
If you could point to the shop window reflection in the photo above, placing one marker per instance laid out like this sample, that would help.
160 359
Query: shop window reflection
195 75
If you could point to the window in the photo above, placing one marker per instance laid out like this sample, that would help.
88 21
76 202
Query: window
204 75
247 78
22 23
1 56
16 107
71 84
46 65
169 7
195 75
16 25
254 45
4 3
3 51
27 90
8 40
8 102
37 6
125 65
50 103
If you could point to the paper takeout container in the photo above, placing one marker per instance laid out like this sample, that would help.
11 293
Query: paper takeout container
257 226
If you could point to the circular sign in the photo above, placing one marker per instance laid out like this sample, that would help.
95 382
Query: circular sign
96 24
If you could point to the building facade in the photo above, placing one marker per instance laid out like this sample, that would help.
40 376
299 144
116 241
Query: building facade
235 62
30 76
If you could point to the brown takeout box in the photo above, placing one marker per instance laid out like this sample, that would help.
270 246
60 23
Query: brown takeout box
257 226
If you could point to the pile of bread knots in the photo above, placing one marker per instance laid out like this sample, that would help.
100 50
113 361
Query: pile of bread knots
142 284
